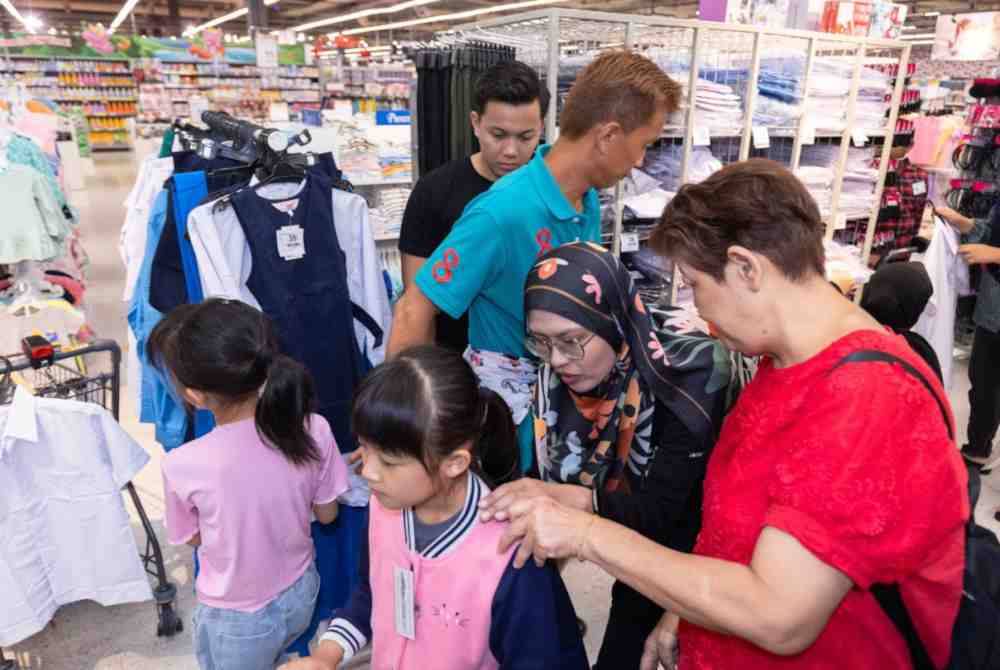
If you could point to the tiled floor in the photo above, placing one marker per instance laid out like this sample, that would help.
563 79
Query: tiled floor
86 636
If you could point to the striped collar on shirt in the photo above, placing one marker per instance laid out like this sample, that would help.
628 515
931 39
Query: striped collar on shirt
463 524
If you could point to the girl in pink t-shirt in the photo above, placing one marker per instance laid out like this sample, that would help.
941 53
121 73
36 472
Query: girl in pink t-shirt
245 492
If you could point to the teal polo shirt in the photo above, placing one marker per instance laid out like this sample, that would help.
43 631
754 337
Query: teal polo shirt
481 266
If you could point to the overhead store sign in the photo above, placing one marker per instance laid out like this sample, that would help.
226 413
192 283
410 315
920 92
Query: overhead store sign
96 43
967 37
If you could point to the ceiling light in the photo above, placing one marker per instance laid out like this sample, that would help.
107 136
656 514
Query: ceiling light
918 36
364 13
468 14
923 42
32 23
12 10
223 19
123 14
357 50
910 28
931 14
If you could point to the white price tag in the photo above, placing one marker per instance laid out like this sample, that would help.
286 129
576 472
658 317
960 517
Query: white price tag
702 138
403 588
859 137
761 138
919 188
840 222
291 242
808 132
630 242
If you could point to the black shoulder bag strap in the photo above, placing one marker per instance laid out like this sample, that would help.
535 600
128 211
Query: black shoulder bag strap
888 595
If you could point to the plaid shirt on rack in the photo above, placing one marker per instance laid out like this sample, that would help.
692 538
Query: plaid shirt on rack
912 183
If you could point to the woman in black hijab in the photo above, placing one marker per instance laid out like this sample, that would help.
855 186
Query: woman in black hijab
627 407
896 296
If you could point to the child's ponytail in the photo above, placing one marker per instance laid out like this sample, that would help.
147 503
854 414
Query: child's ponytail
284 407
497 450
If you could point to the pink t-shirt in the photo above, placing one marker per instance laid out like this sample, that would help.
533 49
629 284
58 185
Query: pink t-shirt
252 507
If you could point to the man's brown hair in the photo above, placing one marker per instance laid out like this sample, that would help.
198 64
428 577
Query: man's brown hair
618 86
756 204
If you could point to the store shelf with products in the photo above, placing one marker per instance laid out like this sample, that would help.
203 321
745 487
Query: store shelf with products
820 104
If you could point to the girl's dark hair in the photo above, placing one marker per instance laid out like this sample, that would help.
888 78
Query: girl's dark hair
426 403
228 349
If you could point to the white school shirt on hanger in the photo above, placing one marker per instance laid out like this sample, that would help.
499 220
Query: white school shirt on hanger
950 277
138 205
66 534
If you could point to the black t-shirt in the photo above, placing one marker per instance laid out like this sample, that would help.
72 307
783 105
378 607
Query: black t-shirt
436 203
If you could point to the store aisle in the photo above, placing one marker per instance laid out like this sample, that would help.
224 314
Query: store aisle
86 636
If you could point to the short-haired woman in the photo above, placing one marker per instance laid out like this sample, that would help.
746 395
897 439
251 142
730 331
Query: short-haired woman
830 475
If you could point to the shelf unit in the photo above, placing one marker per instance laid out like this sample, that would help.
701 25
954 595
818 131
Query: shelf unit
549 39
241 89
44 78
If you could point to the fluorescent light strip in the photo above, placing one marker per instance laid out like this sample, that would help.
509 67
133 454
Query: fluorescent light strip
357 50
123 14
923 42
931 14
472 13
364 13
12 10
222 19
918 36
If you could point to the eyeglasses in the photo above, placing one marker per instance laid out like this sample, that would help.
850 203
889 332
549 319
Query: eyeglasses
573 349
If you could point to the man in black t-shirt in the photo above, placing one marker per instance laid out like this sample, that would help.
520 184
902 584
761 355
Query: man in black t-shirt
509 107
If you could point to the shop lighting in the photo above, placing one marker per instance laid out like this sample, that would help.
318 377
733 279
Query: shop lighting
918 36
12 10
931 14
123 14
468 14
365 13
222 19
33 23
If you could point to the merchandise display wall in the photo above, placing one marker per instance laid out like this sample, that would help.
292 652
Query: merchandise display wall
820 104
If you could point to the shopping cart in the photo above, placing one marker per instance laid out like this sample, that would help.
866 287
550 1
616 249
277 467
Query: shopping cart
93 374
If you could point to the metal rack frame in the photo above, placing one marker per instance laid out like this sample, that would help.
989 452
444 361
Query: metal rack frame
64 378
548 24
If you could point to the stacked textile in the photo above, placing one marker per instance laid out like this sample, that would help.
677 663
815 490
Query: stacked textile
857 194
818 181
387 218
664 165
396 160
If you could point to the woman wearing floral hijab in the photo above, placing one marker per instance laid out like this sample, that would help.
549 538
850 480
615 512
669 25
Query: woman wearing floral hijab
626 409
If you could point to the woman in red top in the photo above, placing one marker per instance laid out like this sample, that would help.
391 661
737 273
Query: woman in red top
825 479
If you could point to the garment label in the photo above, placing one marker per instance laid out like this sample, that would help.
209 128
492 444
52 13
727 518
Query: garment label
919 188
630 242
808 132
761 138
702 138
403 579
859 137
291 242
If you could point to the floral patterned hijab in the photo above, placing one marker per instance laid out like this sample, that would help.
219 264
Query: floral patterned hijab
590 438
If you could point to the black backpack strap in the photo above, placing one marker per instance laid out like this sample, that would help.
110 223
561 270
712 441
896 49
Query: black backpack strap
888 596
366 320
876 356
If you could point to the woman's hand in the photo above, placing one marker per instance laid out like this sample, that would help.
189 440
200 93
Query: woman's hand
496 506
977 254
963 223
661 645
545 529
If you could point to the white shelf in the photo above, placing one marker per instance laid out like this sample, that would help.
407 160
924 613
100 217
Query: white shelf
391 181
387 238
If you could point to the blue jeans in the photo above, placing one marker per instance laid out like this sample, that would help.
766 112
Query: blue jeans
232 640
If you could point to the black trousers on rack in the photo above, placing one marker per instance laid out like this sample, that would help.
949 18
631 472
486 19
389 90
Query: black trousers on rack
984 396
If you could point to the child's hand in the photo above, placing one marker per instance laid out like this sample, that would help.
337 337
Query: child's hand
327 656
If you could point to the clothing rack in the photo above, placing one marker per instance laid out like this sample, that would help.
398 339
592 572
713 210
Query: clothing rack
446 77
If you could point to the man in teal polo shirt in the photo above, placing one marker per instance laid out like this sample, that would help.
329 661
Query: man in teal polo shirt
616 108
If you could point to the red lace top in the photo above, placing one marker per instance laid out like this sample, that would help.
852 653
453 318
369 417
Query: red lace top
855 464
